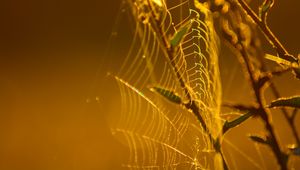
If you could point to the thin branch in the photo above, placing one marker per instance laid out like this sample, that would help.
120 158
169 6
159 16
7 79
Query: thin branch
257 89
294 114
286 116
240 107
282 52
191 105
281 158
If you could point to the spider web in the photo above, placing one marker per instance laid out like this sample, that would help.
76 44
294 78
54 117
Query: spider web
161 134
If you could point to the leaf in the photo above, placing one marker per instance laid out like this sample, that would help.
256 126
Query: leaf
170 95
178 36
259 139
289 102
155 133
228 125
295 150
290 62
264 8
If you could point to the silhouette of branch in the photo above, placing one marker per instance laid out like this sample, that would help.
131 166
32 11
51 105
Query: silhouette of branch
261 22
191 104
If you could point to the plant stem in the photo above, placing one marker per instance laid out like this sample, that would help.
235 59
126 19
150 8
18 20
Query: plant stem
170 54
282 52
191 105
290 119
263 113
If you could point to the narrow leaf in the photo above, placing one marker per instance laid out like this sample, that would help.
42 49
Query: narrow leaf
295 150
289 102
264 8
179 35
228 125
258 139
170 95
290 62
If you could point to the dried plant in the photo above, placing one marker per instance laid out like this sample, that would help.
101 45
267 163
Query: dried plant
170 82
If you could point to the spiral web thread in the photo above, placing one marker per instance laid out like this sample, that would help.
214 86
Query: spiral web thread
161 134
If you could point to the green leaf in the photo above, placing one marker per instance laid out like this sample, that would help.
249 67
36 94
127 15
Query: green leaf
231 124
259 139
289 102
169 95
179 35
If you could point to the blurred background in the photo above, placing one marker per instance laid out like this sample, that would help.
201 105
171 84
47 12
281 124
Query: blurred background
55 97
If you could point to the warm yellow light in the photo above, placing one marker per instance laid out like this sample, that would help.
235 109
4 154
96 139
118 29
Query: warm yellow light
158 2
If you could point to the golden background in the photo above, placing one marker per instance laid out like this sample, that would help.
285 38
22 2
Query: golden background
55 98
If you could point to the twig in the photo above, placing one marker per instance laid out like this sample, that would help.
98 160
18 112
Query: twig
276 94
281 158
291 118
257 82
191 105
257 89
282 52
240 107
294 114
